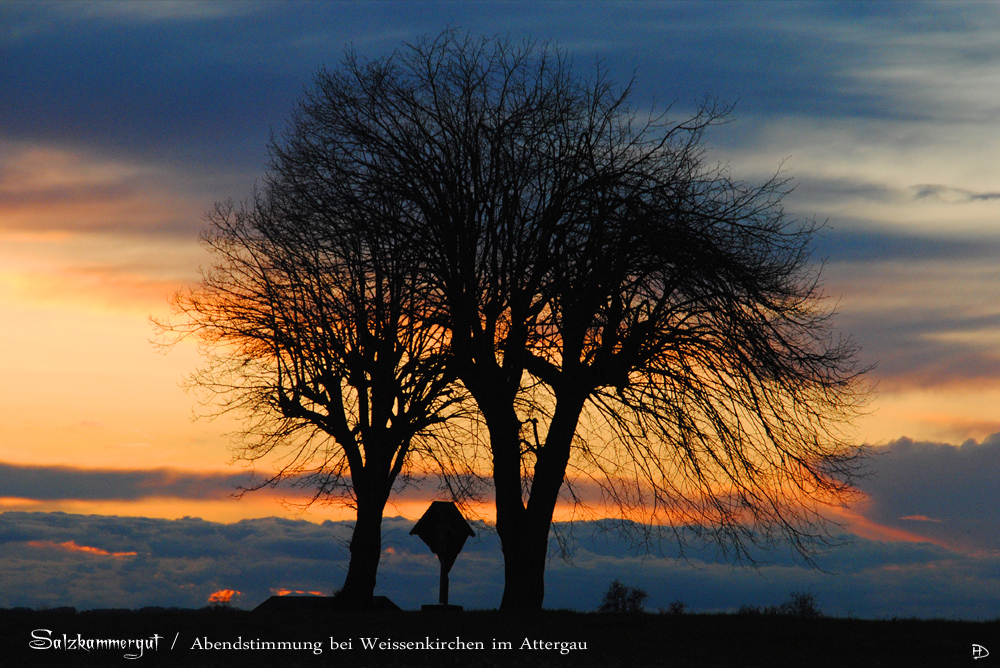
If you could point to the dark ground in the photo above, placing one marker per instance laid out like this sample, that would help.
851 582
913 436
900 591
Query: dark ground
611 640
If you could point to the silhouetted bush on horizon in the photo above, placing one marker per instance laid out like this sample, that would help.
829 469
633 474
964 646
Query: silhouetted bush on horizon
622 598
677 607
799 604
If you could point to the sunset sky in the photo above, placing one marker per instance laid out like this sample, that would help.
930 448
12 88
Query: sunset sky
122 123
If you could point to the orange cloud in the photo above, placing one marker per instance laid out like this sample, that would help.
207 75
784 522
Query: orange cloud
855 521
286 592
223 596
44 190
78 228
98 272
71 546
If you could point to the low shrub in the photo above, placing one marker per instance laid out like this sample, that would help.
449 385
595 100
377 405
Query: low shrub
622 598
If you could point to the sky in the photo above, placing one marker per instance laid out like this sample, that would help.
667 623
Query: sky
122 123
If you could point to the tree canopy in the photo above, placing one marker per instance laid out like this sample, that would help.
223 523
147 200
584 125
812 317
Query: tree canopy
312 335
619 311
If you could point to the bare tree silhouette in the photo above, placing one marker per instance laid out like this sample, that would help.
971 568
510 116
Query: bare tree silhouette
313 334
617 309
621 598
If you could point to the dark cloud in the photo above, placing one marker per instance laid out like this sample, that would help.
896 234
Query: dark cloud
945 492
179 562
825 190
201 92
921 306
182 562
204 84
50 483
925 346
148 205
201 86
841 243
62 483
810 60
65 194
867 578
951 194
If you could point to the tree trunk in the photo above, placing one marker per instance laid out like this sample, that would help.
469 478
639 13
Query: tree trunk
525 549
524 531
366 550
